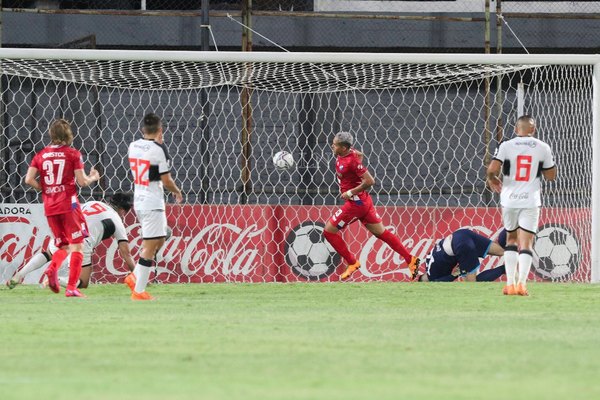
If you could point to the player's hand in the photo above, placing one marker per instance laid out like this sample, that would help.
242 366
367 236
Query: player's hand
495 185
94 174
178 198
346 195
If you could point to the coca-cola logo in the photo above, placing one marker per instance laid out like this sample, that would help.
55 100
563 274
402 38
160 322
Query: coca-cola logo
218 250
308 254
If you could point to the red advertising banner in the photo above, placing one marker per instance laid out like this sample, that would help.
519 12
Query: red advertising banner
270 243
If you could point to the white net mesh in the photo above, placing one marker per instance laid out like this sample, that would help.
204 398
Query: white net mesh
426 131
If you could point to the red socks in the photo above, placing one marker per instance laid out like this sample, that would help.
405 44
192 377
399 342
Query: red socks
339 245
396 245
57 259
74 269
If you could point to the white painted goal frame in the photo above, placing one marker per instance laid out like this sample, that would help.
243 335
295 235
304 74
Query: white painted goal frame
222 58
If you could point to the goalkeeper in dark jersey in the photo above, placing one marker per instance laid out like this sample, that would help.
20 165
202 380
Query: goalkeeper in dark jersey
459 254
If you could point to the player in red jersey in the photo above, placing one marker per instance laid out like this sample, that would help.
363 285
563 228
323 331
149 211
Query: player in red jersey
354 181
53 171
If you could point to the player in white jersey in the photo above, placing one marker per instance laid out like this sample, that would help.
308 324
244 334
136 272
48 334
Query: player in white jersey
104 220
515 172
151 169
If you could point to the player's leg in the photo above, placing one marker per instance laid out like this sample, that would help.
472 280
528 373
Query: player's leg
144 267
373 223
469 247
510 216
57 226
154 231
377 229
491 274
36 262
528 223
340 219
77 232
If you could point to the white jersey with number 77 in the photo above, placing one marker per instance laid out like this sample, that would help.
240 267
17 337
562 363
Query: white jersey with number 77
523 159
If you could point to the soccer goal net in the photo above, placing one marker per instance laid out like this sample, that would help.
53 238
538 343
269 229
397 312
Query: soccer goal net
427 125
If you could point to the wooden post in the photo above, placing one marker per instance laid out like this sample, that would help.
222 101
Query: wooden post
499 92
245 99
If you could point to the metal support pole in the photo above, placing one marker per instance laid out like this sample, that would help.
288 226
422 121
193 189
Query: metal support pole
487 132
595 261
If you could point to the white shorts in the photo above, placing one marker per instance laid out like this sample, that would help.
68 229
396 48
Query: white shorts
154 223
524 218
87 252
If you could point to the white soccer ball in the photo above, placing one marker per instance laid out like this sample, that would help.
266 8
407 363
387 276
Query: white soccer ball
283 160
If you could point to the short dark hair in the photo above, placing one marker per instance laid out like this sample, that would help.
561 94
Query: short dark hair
151 123
527 118
122 200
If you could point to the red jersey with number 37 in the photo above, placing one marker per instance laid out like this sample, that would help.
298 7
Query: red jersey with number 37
56 165
349 170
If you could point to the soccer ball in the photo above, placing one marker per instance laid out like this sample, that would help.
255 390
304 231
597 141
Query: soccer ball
308 254
557 253
283 160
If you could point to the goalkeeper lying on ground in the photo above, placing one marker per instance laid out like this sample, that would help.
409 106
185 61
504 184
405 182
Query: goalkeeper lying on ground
459 255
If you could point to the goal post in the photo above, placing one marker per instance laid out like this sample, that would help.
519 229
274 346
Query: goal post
420 119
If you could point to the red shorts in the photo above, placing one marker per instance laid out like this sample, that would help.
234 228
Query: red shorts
352 211
68 228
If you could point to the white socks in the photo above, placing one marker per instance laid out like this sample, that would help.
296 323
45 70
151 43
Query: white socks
525 258
511 260
142 273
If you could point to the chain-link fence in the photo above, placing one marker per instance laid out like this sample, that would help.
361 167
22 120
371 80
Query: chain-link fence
350 25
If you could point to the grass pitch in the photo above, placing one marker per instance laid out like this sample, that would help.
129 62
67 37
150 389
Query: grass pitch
302 341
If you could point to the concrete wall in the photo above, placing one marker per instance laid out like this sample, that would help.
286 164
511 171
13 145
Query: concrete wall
42 30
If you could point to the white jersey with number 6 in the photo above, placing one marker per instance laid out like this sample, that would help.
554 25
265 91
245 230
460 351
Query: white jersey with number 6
148 161
523 158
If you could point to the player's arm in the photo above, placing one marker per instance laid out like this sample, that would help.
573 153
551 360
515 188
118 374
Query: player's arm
171 186
84 179
549 174
495 249
32 179
125 254
548 166
493 175
366 181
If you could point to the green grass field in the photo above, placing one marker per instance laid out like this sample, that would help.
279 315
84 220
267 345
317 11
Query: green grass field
302 341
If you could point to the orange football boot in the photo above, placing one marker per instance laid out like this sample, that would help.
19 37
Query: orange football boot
350 270
141 296
413 267
521 290
509 290
130 281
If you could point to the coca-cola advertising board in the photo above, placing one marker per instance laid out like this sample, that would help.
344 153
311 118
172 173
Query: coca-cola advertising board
270 243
